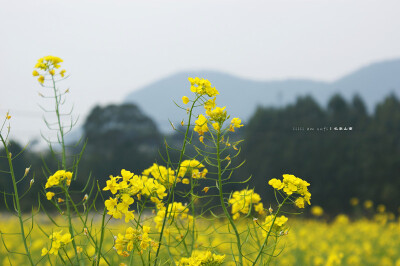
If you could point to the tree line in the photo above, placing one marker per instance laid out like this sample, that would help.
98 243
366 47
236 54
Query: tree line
342 149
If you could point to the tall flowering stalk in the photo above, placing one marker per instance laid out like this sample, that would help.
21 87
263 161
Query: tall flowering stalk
49 73
216 117
47 70
292 189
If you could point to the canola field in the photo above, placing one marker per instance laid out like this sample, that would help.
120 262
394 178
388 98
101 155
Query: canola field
308 242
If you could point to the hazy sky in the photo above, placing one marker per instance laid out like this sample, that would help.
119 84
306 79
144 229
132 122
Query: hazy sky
111 48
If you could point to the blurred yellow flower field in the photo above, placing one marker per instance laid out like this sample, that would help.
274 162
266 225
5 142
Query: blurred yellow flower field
308 242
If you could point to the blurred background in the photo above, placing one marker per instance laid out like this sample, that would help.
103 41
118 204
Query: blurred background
316 84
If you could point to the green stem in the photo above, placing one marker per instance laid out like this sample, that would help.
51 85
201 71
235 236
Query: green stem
71 229
170 196
21 223
221 196
59 124
141 255
269 231
193 214
64 166
101 236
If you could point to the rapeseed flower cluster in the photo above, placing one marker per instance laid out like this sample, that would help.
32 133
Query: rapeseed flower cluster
200 258
48 65
210 104
291 185
58 177
58 240
242 201
192 168
317 211
175 210
216 115
128 185
161 173
277 225
134 238
235 123
202 87
201 125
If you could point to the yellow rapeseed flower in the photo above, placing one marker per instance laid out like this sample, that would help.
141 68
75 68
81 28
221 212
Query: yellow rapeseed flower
235 123
79 250
47 65
57 178
200 258
185 99
202 87
277 225
192 168
210 104
48 62
317 211
217 114
201 125
129 185
299 202
291 185
381 208
49 195
216 126
176 210
242 201
161 173
368 204
125 243
41 79
112 185
58 240
354 201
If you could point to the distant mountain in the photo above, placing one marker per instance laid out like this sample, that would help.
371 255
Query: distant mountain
242 96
